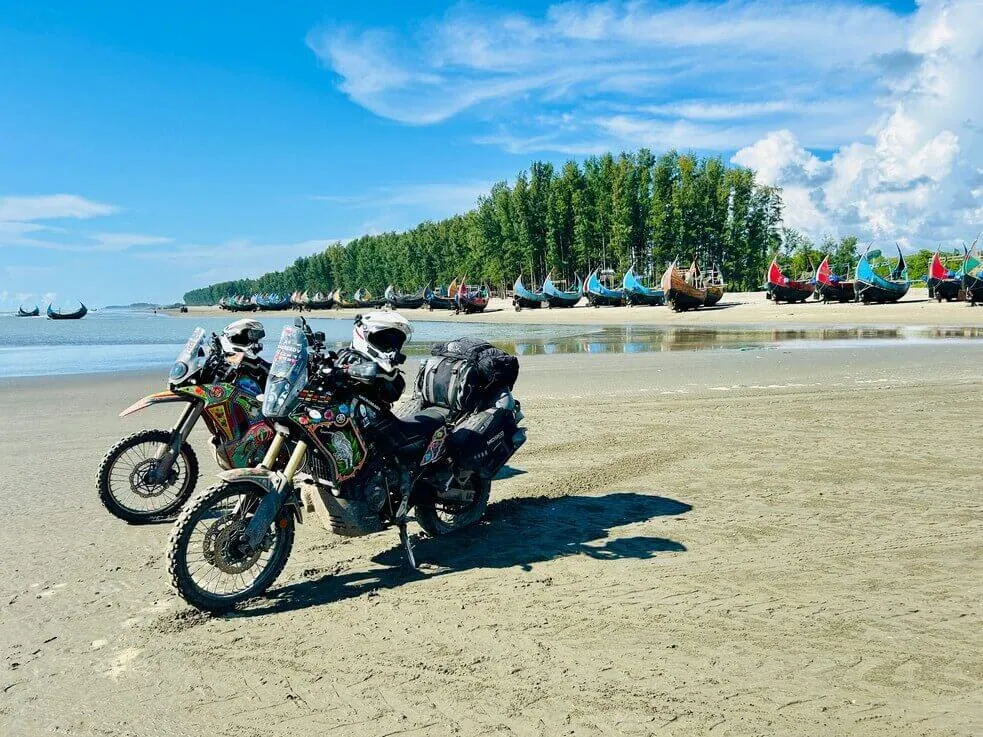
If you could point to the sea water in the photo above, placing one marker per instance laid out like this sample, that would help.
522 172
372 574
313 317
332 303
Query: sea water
125 340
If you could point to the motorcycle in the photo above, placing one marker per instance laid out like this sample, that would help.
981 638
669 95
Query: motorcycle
367 469
152 473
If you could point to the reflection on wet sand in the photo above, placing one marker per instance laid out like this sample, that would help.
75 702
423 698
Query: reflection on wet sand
639 339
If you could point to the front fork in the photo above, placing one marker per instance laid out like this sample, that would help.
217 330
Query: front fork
280 489
167 454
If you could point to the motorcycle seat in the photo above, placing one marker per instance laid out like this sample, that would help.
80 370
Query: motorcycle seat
423 423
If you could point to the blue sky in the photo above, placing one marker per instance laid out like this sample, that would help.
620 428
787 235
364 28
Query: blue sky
148 149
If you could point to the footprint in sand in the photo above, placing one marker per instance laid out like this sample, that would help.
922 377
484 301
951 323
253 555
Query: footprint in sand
121 663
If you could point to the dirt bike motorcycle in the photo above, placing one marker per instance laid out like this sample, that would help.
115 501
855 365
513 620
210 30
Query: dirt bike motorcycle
369 468
152 473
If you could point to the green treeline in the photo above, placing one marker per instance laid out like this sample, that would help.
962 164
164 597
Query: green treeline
610 211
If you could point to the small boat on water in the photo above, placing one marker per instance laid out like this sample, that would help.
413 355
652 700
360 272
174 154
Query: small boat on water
833 288
972 276
556 297
404 301
715 286
21 312
437 301
780 288
872 287
943 284
636 293
77 315
683 291
523 298
471 298
599 295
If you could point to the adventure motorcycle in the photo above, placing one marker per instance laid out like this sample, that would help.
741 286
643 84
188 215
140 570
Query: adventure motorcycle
152 473
369 467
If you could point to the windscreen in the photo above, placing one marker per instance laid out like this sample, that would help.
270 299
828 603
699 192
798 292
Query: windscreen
191 358
288 374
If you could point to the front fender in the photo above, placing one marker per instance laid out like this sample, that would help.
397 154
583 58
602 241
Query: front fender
158 398
265 480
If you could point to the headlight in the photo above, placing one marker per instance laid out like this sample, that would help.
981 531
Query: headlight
178 370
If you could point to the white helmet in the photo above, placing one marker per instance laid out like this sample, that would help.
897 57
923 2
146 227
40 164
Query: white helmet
243 335
380 336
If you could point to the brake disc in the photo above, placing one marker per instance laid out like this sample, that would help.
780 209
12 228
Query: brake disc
139 484
221 546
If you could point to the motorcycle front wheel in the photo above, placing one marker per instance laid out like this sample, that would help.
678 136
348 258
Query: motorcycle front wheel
124 485
209 566
439 518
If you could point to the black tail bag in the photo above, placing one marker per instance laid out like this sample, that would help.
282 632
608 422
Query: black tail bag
465 375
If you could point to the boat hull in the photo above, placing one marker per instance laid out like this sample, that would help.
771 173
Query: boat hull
36 312
680 294
973 284
437 302
652 299
867 292
78 315
789 293
524 303
842 292
604 300
714 295
944 289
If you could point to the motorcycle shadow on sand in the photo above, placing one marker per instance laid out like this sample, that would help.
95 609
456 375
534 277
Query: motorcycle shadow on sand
520 531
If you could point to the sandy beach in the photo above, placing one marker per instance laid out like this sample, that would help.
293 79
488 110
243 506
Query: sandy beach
755 542
737 309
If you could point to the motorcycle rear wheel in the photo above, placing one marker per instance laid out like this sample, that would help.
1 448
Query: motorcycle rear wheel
443 518
203 547
129 497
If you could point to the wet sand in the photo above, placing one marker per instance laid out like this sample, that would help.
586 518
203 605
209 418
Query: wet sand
738 309
756 542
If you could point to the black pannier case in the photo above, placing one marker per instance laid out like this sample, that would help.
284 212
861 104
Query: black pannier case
484 441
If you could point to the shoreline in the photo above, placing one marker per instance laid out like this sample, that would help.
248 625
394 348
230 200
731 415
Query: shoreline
736 310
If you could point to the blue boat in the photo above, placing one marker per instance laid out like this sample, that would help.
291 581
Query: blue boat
872 287
523 298
637 293
559 298
599 295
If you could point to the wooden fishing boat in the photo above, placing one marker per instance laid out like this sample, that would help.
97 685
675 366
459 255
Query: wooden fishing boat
77 315
598 295
636 293
21 312
319 301
523 298
872 287
715 286
832 288
437 301
272 302
683 291
363 298
943 284
782 289
471 299
403 301
556 297
341 303
972 276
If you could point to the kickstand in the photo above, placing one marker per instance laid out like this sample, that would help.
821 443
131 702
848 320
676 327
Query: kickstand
404 537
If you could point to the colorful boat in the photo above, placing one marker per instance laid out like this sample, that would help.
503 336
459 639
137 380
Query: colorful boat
21 312
872 287
715 286
683 291
782 289
599 295
972 275
319 301
636 293
556 297
77 315
943 284
403 301
523 298
471 298
437 301
832 288
271 302
363 298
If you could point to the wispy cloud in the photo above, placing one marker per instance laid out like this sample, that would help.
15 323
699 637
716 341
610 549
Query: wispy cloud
435 199
51 207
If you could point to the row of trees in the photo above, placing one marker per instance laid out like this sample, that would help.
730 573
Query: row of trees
610 211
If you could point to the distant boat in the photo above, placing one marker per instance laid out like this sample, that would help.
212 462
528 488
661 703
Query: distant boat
21 312
523 298
437 301
942 283
872 287
471 299
636 293
556 297
715 286
599 295
831 287
683 291
77 315
319 301
363 298
403 301
781 288
972 274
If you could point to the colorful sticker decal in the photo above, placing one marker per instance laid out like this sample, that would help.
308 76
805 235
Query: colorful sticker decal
221 418
435 451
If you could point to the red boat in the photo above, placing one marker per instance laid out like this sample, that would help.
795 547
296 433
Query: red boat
782 289
943 284
471 298
831 287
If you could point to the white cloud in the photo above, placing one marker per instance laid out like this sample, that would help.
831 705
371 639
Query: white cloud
917 178
435 200
51 207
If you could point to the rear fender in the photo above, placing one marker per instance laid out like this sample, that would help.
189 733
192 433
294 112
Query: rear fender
158 398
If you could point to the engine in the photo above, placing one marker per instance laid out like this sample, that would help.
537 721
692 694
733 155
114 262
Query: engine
353 509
